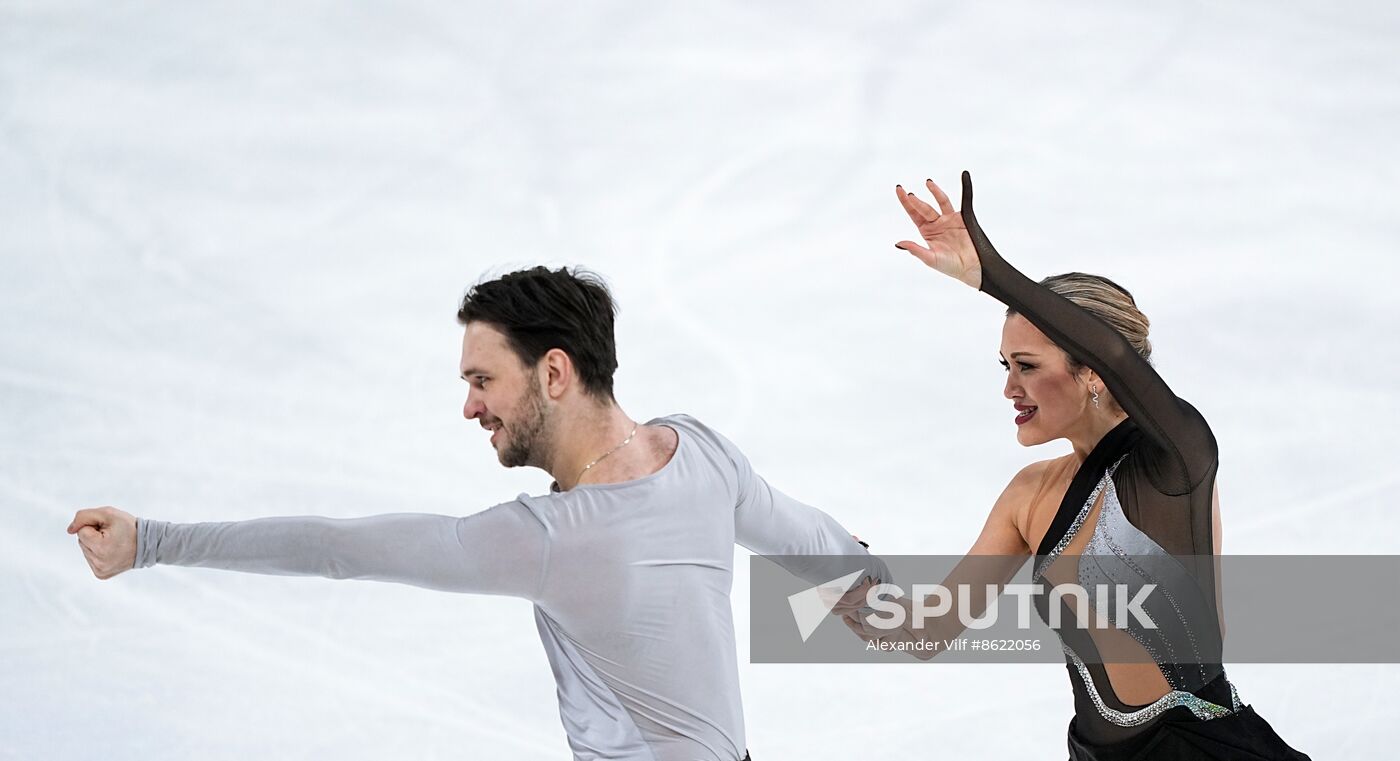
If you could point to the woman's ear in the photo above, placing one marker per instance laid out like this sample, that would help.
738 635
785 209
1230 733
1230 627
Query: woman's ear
1092 383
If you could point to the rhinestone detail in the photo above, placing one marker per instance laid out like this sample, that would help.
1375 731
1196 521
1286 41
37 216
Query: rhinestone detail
1202 708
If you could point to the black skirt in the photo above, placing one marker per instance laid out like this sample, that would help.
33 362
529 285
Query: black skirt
1241 736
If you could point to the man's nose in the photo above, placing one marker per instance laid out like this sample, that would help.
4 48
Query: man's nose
473 409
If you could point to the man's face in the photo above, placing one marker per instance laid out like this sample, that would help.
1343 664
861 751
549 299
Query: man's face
505 396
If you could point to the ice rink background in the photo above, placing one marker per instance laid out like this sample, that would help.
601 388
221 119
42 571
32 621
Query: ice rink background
233 239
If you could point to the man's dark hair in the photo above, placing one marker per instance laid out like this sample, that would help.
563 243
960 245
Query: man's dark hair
539 309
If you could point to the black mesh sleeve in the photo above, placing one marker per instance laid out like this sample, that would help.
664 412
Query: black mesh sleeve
1172 425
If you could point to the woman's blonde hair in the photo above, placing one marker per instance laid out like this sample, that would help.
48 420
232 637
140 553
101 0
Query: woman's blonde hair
1107 301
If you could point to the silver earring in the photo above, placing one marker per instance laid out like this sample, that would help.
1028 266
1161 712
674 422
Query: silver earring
1096 394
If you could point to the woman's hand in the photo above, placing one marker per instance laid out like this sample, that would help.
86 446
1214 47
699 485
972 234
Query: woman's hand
947 248
901 638
854 600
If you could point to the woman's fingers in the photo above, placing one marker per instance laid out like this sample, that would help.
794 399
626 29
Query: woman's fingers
919 212
914 215
858 628
925 255
945 205
853 600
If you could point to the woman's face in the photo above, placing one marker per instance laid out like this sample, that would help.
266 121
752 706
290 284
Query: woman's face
1050 400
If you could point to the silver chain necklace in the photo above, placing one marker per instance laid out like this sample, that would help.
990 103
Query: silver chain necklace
610 451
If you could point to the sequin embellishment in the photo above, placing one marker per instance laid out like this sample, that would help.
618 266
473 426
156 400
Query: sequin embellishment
1202 708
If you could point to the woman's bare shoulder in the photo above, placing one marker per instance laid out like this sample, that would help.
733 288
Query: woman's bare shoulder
1034 474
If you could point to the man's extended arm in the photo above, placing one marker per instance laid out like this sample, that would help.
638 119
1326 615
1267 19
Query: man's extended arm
497 551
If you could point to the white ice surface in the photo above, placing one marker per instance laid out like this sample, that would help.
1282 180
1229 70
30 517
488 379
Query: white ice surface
232 238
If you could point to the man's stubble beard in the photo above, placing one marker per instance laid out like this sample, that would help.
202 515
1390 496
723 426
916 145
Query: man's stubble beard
527 438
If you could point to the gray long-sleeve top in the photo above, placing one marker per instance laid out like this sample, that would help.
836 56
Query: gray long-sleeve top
630 583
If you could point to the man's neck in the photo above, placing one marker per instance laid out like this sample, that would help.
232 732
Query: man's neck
591 437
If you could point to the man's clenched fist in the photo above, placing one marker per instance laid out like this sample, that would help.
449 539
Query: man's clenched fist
108 539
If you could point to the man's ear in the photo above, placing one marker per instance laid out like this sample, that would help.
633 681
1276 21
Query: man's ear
558 372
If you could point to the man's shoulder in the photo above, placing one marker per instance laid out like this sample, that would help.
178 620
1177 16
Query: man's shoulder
697 430
680 419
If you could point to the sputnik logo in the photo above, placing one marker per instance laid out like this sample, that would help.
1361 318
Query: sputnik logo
811 606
